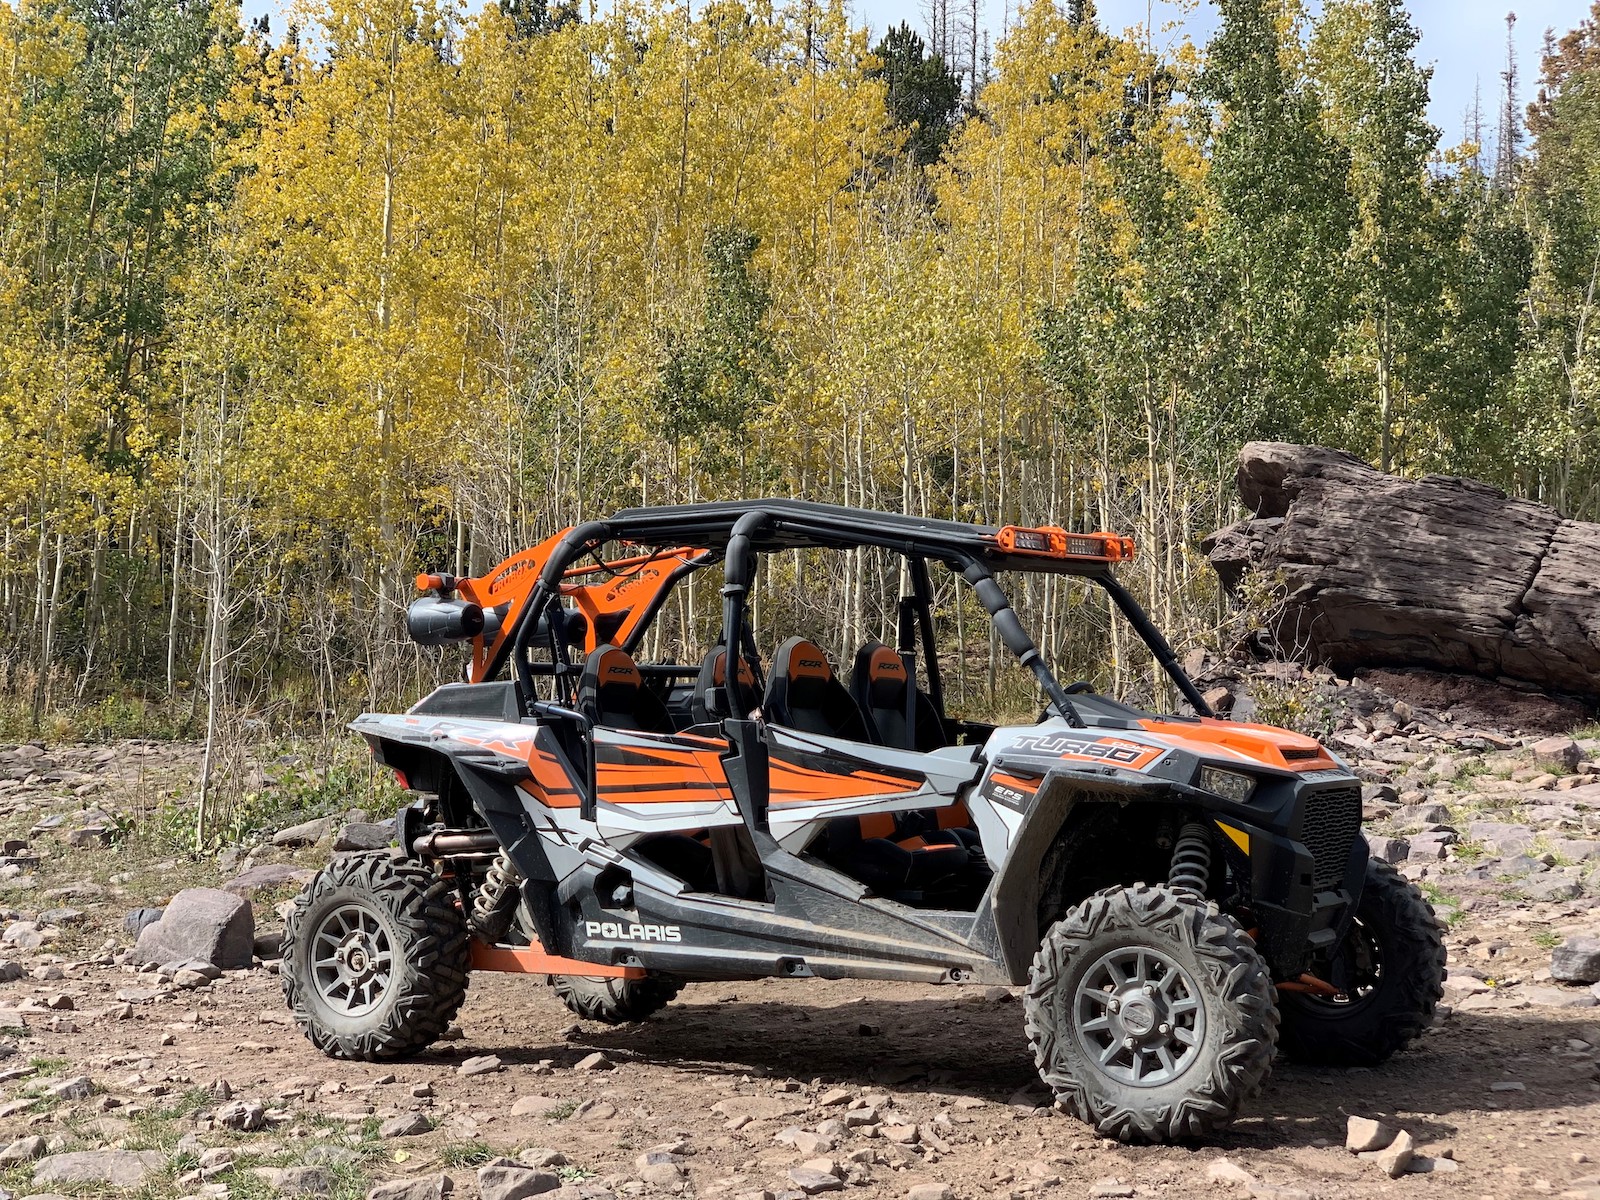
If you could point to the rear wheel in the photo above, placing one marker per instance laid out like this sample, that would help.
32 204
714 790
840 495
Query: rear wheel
1390 972
1150 1014
614 1001
375 957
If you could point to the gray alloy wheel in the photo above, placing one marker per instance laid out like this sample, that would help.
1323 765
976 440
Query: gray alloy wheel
1140 1015
351 960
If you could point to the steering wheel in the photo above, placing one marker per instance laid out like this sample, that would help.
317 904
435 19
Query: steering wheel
1079 688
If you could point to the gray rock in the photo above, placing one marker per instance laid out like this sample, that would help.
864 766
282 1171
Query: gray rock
76 1088
22 1150
510 1181
1558 754
268 876
269 945
660 1167
25 935
481 1064
1577 960
243 1115
364 836
297 1181
1435 572
1363 1134
307 833
1430 847
1556 887
433 1187
535 1106
118 1168
811 1181
1415 816
1578 850
1502 838
930 1191
138 919
324 1155
1397 1156
412 1124
201 923
1559 997
1388 849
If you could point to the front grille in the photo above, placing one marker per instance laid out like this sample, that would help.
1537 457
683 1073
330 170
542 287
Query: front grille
1330 824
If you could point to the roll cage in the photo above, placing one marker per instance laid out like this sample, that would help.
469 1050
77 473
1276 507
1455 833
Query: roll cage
615 600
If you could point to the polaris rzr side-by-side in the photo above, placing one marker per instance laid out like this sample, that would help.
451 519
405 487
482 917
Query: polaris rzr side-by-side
1181 895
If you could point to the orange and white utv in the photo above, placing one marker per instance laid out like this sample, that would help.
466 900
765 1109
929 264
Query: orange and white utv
1180 895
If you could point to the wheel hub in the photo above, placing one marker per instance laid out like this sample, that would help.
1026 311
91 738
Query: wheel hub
351 959
1139 1014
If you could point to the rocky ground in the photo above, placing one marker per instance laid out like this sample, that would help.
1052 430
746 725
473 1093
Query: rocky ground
155 1083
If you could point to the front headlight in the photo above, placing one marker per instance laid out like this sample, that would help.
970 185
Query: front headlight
1230 785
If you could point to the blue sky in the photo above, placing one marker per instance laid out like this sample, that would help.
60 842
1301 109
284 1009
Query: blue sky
1464 40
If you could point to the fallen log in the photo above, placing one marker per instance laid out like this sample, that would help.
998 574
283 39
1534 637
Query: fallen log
1437 572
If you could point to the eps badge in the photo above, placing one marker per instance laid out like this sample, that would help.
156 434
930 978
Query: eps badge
616 931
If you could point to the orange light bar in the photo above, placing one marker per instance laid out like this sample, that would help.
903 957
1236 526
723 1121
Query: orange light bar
1051 541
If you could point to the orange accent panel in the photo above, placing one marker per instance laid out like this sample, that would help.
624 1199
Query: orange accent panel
886 664
954 816
1259 743
617 666
1023 783
807 661
877 825
793 784
532 960
719 670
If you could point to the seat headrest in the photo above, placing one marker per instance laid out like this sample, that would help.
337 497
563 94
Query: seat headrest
800 659
611 692
719 670
614 667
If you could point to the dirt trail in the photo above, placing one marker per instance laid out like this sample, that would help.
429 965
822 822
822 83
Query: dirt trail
868 1089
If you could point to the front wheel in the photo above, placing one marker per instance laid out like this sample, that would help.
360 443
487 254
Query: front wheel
375 957
1150 1014
1390 972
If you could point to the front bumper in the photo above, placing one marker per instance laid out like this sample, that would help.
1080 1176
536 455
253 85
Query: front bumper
1295 917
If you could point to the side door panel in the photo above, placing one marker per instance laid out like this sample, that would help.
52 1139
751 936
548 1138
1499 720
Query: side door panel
658 783
815 779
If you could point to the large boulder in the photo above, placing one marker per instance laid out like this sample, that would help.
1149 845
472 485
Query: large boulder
203 924
1436 572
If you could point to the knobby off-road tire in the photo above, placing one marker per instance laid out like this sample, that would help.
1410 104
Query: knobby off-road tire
1132 962
614 1001
1391 966
375 957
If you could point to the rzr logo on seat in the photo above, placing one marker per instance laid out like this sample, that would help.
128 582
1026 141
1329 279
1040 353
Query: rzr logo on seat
816 664
629 671
615 931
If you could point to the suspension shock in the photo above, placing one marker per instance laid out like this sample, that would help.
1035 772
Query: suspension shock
496 900
1191 860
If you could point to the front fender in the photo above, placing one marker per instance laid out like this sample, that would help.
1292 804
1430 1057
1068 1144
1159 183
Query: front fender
1008 927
